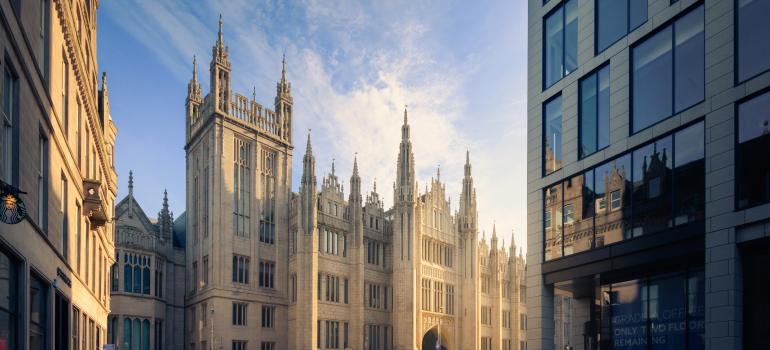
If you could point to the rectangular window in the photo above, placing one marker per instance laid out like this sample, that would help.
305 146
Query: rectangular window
239 314
9 300
650 189
266 274
242 187
267 214
65 98
9 133
595 112
44 37
241 269
268 316
237 345
752 166
617 18
196 280
486 315
64 218
267 346
206 270
753 51
552 116
38 313
560 38
42 183
668 71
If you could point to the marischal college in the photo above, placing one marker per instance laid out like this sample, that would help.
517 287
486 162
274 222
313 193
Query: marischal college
253 265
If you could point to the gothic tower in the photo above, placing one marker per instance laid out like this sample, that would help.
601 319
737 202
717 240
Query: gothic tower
238 193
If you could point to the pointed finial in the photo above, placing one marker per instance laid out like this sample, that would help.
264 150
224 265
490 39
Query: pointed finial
130 183
309 148
332 166
254 93
438 173
195 68
405 118
165 199
494 230
467 157
375 185
355 164
220 27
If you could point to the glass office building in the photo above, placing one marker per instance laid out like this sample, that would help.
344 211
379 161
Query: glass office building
649 174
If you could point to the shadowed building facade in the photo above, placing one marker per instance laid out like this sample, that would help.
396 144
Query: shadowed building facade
267 268
648 180
57 141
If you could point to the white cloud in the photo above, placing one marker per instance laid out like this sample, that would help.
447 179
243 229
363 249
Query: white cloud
352 72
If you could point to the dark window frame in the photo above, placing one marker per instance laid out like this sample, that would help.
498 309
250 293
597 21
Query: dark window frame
594 72
627 152
669 23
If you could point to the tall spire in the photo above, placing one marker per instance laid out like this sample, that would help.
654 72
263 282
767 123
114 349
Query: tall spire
195 69
333 166
219 51
355 164
405 178
405 127
308 190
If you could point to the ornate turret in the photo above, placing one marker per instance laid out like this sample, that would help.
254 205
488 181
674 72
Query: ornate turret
308 189
467 214
165 219
284 102
355 184
220 89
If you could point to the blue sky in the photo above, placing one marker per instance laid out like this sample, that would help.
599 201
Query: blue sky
459 65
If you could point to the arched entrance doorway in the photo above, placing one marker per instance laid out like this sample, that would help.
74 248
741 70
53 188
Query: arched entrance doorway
429 340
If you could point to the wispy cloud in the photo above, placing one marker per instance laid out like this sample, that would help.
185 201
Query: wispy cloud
353 67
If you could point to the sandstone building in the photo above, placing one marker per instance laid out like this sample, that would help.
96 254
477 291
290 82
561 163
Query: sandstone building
270 269
56 144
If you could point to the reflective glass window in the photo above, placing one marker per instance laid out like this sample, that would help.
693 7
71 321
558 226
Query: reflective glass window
668 71
560 38
612 222
552 157
616 18
753 41
752 165
652 179
595 111
689 179
553 202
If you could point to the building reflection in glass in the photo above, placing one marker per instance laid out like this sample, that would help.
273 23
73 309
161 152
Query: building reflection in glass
651 189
